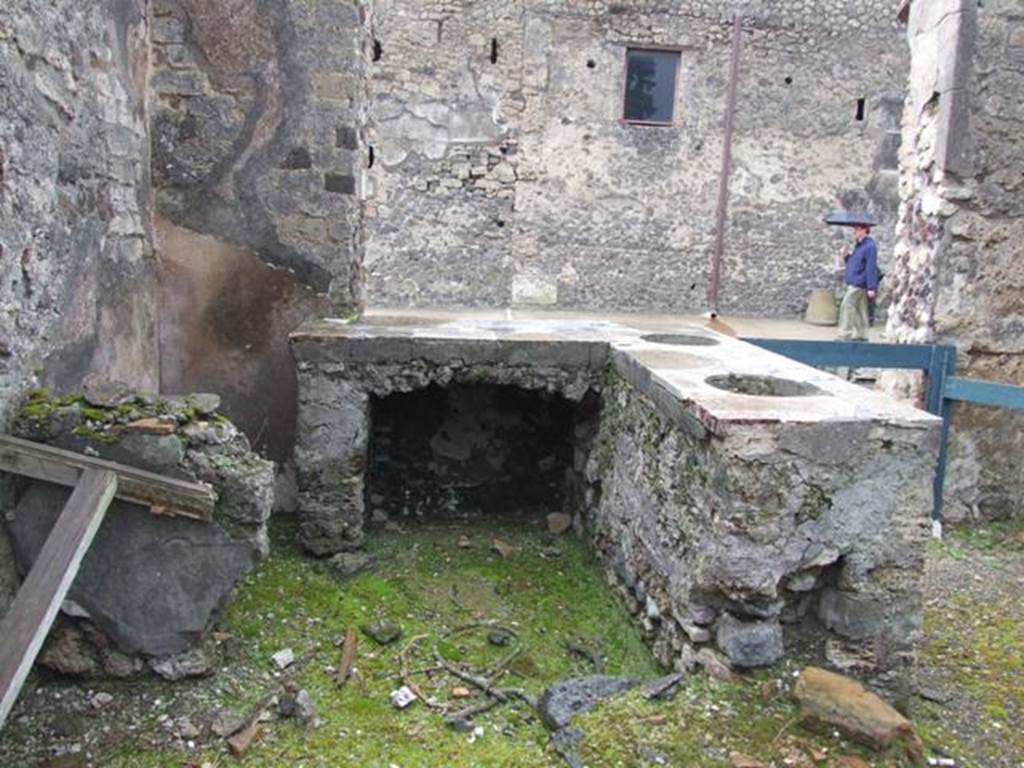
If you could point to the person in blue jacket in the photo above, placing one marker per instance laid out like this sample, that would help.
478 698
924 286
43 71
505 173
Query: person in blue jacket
861 275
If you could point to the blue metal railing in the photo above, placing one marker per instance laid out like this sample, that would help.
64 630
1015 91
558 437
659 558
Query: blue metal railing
938 361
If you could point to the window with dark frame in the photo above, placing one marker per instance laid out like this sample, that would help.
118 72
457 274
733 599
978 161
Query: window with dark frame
650 92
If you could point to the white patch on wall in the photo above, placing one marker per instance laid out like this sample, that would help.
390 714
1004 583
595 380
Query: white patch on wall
531 288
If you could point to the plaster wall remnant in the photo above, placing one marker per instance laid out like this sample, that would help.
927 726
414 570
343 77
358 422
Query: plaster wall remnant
957 274
257 160
728 490
77 274
516 182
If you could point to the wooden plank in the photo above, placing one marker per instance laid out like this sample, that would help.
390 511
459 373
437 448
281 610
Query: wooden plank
163 495
31 614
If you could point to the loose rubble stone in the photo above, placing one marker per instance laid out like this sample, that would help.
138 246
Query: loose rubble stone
559 522
402 697
194 662
298 705
663 687
226 722
714 664
845 704
749 643
283 658
559 702
100 700
382 631
347 564
499 637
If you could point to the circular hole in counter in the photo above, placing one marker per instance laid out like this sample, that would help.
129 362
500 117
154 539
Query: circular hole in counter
762 386
680 339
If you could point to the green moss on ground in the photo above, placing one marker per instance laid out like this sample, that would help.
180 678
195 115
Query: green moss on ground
430 586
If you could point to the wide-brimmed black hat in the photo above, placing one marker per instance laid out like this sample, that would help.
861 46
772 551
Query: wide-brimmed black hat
851 219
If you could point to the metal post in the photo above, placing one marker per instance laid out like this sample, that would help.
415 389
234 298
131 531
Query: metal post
723 180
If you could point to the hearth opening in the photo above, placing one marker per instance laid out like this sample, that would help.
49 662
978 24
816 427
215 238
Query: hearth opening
480 449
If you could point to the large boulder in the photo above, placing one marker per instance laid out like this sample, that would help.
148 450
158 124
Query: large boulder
150 584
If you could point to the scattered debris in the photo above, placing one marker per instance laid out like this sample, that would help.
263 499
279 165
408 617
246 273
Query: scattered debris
559 702
503 548
100 700
347 564
192 663
739 760
559 522
348 655
402 697
849 658
240 742
297 705
382 631
663 687
226 722
283 658
714 664
654 757
499 637
934 695
588 653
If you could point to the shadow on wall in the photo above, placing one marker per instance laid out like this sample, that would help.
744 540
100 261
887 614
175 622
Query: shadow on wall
224 322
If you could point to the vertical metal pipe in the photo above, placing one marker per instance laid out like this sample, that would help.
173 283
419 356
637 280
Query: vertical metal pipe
723 179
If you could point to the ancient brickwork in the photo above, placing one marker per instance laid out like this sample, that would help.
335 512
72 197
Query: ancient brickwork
78 279
957 263
576 208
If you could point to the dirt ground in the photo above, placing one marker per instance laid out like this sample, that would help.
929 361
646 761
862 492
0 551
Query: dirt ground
447 586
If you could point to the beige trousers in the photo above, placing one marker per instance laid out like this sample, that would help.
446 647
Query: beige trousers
853 315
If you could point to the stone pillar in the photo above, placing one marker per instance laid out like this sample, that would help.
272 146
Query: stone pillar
330 461
956 273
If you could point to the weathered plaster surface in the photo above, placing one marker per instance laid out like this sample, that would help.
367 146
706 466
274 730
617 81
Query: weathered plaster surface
515 182
722 514
77 277
957 271
257 162
255 136
225 318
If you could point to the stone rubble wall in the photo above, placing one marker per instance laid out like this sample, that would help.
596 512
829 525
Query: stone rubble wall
727 537
335 387
78 288
958 278
149 585
514 182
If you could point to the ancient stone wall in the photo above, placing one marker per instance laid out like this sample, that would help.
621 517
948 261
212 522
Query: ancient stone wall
503 173
257 164
730 535
78 278
958 277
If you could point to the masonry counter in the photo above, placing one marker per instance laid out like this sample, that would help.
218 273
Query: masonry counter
730 491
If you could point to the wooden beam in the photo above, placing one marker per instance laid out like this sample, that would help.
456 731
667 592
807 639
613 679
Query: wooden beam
163 495
27 622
